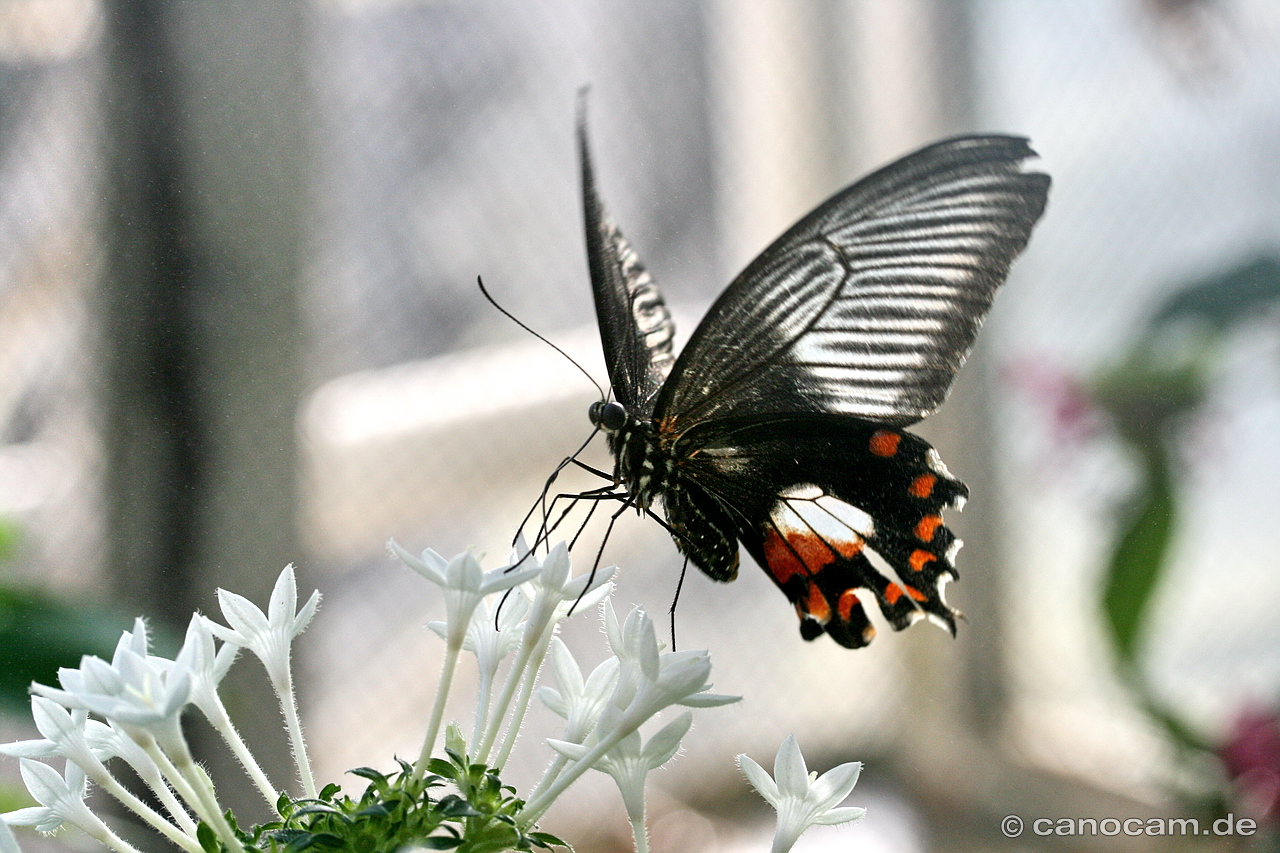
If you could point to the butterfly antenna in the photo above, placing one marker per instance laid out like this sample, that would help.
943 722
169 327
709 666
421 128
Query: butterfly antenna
504 312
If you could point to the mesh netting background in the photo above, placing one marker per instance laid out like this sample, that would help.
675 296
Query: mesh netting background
440 148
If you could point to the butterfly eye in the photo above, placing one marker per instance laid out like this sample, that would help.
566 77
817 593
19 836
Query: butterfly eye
610 416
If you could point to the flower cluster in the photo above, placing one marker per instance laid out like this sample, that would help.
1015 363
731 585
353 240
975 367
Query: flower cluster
126 712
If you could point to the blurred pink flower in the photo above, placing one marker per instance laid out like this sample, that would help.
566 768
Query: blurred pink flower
1074 414
1251 756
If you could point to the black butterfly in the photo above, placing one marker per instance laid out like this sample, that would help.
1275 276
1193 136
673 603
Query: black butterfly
781 423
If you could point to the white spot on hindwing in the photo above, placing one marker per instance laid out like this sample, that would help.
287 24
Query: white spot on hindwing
808 508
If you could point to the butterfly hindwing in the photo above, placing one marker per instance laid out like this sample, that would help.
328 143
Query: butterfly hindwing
836 510
868 305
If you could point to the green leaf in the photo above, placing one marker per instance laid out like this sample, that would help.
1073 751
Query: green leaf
1225 298
442 768
455 806
546 839
1138 559
208 839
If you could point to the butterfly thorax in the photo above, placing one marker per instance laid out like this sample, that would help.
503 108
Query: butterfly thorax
641 463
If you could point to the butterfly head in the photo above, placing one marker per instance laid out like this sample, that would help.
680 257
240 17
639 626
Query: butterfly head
608 415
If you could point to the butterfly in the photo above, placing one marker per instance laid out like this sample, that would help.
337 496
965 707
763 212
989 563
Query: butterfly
781 423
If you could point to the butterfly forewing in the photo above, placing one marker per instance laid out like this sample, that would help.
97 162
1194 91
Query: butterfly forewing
868 305
635 325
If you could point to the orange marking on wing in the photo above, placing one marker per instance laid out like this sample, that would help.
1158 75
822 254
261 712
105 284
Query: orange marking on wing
918 559
802 554
922 486
817 604
782 561
916 594
892 593
927 526
884 443
850 547
848 601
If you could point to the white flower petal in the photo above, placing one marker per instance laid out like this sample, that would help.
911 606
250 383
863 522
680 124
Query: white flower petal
709 700
665 743
789 769
834 785
284 597
833 817
759 779
8 844
568 750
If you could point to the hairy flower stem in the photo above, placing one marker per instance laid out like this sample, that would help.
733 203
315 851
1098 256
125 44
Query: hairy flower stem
193 785
221 721
184 838
289 707
538 653
437 710
538 804
109 839
499 711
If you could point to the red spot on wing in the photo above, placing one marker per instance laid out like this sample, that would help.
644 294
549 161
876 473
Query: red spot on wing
919 558
848 601
892 593
816 605
804 553
927 526
916 594
884 443
922 486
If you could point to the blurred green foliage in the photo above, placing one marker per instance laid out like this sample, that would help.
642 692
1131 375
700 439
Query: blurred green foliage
1147 395
39 634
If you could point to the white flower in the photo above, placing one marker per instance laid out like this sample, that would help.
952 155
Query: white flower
650 680
553 593
579 702
490 636
268 635
463 582
629 763
136 689
207 665
802 799
61 799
